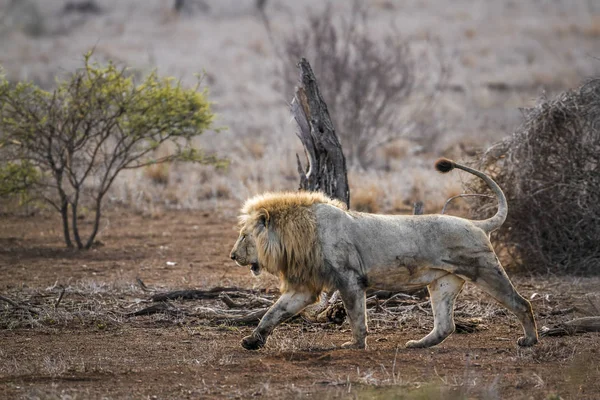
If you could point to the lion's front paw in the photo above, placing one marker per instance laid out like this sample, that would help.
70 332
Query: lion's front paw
415 344
252 343
526 341
354 345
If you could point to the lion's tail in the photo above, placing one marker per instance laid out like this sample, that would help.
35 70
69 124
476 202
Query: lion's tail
491 224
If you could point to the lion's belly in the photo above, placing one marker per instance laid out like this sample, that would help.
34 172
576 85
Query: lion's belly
402 278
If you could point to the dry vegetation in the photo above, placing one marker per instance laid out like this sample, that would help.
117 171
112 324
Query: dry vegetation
67 326
378 89
88 338
475 103
550 172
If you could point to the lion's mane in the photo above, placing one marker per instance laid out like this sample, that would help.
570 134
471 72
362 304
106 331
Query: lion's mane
285 229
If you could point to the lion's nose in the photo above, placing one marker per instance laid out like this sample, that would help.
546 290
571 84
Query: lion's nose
232 256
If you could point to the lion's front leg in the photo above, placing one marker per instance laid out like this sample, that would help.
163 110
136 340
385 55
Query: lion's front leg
354 300
288 305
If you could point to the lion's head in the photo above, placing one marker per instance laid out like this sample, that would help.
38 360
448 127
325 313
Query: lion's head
244 250
279 234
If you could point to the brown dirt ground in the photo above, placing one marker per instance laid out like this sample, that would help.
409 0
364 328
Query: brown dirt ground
149 357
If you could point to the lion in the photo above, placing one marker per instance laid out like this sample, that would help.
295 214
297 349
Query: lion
314 244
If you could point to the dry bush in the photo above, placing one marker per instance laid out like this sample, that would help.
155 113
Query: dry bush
377 89
550 172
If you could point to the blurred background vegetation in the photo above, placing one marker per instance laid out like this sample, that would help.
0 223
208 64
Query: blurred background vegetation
406 82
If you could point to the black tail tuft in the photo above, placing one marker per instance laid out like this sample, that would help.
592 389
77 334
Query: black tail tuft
444 165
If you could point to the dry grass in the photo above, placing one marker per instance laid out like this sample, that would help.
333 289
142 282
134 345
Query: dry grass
590 29
555 350
593 28
366 199
158 173
230 43
100 306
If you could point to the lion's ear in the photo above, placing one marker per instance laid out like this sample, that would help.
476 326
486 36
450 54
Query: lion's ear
263 218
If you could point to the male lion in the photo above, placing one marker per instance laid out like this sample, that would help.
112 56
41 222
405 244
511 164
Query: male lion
313 244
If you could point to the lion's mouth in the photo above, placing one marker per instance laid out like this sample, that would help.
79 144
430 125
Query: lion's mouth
255 268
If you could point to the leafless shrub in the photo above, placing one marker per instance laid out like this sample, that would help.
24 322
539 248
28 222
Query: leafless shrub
377 89
550 172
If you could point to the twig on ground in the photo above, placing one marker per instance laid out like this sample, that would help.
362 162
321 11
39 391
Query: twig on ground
60 297
396 296
142 285
594 305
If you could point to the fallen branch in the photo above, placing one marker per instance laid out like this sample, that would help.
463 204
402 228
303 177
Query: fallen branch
201 294
559 312
230 303
255 302
335 314
470 325
577 325
251 318
18 306
164 308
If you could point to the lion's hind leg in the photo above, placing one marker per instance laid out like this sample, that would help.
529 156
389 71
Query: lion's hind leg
487 273
443 292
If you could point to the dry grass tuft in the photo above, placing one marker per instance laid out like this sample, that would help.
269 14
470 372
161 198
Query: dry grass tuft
255 149
366 199
549 351
158 173
590 29
220 190
593 28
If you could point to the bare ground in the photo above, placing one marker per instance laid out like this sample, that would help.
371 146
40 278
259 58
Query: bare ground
89 348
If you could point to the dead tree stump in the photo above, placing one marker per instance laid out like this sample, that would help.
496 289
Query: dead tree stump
326 170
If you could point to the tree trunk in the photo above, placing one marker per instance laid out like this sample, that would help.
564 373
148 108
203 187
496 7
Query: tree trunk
64 212
178 6
74 206
96 223
326 169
